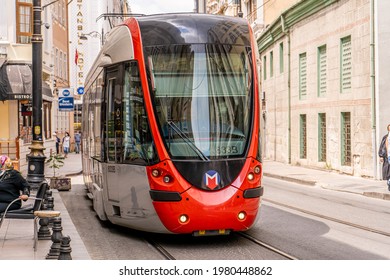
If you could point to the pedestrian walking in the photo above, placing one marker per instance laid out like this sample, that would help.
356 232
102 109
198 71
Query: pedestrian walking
58 141
77 140
12 185
384 154
66 144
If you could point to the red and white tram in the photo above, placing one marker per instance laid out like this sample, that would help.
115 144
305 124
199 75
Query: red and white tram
171 132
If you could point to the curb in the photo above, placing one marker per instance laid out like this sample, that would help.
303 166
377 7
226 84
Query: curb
75 173
383 196
291 179
377 195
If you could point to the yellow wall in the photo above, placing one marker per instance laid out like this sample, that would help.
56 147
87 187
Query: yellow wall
4 120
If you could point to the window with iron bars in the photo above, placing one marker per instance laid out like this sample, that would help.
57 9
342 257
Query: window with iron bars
322 137
346 138
303 136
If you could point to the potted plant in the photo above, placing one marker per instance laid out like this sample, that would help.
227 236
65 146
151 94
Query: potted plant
61 183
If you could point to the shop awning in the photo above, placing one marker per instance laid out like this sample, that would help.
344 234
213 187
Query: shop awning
16 82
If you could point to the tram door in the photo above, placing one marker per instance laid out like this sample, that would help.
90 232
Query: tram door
113 131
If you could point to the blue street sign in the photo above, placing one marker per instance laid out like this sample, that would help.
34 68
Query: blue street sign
66 92
66 103
80 90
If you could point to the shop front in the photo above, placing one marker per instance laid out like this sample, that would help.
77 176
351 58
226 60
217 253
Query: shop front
16 102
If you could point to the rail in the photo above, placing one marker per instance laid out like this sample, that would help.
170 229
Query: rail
10 148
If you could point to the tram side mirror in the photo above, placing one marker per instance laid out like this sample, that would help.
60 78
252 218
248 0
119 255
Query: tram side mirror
104 61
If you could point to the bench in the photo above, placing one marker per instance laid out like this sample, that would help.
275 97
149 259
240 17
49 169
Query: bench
27 211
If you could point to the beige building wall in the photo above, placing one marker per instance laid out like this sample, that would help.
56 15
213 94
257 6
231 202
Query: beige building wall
344 18
4 131
273 8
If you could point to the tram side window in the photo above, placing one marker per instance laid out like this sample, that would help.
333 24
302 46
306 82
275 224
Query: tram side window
138 145
114 124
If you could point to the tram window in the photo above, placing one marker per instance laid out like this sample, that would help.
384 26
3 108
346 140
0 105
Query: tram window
202 94
114 123
137 142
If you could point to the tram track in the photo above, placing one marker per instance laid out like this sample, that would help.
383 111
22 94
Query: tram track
325 217
265 245
168 256
160 249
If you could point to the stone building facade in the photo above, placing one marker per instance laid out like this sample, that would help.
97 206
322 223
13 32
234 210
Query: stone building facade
317 86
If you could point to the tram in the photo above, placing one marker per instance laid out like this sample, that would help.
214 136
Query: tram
171 126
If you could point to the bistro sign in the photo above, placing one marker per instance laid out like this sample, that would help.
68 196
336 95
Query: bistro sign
19 96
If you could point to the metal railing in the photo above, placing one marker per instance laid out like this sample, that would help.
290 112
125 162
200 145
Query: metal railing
10 148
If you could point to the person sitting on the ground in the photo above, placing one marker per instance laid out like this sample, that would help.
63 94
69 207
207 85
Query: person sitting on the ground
12 185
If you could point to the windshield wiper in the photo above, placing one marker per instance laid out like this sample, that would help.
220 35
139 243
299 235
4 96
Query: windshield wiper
187 140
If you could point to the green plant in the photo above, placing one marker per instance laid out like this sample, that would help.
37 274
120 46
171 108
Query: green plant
55 161
328 166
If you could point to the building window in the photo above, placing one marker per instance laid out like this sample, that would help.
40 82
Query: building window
346 138
25 121
302 76
56 63
47 119
271 64
346 64
65 66
322 137
251 8
60 65
59 10
321 75
63 13
24 21
265 67
303 136
281 58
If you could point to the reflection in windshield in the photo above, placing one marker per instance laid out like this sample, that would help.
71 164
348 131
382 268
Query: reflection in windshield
202 95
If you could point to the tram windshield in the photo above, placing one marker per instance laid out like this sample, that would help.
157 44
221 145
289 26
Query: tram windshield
203 98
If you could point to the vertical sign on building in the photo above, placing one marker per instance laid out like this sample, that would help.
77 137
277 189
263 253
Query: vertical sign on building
79 48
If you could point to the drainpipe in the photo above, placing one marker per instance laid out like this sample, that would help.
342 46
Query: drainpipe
287 33
373 95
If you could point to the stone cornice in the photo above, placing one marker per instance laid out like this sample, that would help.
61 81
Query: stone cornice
289 18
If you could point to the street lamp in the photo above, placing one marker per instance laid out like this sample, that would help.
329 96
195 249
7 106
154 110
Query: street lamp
93 34
36 157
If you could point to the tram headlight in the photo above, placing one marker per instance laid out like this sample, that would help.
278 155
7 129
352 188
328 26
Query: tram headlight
241 216
167 179
183 218
251 176
257 169
155 173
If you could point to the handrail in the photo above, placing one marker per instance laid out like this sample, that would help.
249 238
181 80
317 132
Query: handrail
12 202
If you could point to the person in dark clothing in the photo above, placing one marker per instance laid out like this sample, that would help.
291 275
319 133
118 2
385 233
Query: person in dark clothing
12 185
77 140
58 141
384 154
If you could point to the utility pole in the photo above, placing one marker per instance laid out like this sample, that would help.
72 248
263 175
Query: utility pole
36 157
